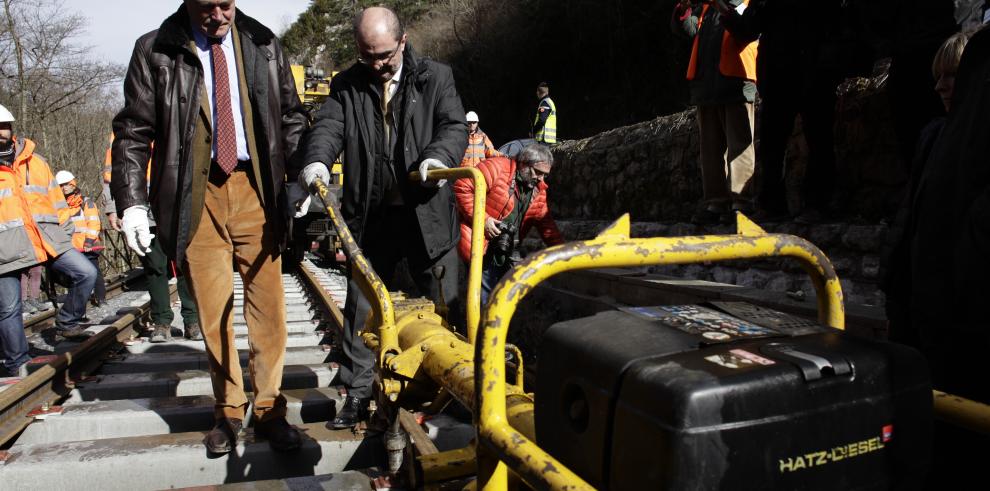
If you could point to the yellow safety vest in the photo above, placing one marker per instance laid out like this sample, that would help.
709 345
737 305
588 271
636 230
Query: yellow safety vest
547 134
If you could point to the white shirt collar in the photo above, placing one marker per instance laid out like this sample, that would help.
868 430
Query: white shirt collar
204 44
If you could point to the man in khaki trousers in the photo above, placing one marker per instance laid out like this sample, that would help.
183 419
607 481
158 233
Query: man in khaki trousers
212 89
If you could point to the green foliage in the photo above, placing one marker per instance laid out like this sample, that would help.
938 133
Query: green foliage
322 35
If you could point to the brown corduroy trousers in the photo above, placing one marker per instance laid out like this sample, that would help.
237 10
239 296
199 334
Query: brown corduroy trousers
233 234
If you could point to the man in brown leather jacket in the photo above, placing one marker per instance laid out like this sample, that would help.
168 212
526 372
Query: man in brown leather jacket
212 89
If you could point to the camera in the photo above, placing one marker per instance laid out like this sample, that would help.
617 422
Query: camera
505 242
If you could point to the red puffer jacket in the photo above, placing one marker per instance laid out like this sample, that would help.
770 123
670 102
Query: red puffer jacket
499 173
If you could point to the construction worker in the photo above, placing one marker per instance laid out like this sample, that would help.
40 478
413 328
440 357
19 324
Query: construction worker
30 234
157 273
545 125
480 147
722 80
85 218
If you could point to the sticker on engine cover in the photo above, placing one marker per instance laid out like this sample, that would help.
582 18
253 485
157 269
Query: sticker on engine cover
738 358
713 326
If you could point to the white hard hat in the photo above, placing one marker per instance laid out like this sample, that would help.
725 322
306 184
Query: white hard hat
471 117
5 116
63 177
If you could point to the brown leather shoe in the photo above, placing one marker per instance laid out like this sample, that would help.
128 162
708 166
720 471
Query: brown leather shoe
193 332
280 434
223 437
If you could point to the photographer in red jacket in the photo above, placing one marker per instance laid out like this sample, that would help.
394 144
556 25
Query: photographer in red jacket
516 202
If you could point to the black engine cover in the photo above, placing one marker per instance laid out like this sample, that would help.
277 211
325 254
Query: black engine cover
689 397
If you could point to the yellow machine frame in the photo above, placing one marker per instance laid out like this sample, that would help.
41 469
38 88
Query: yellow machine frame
417 349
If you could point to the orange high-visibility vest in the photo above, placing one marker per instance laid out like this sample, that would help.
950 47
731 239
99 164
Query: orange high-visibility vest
479 148
85 219
30 200
737 59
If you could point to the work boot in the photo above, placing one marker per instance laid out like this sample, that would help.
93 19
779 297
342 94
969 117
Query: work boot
19 372
77 332
193 332
281 436
351 412
710 215
161 333
223 437
28 307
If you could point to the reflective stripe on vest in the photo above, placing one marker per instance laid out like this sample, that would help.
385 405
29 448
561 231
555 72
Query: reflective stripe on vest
6 193
17 222
547 134
737 59
45 218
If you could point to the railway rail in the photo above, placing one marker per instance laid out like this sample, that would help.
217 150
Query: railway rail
116 412
116 401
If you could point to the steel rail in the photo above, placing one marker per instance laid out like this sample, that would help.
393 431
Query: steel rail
54 380
46 319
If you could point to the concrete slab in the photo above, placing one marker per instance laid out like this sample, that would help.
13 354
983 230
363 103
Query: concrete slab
240 342
196 360
343 481
93 420
292 327
180 460
187 383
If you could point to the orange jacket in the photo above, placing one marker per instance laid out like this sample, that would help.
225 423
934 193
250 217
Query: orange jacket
479 148
30 201
499 173
85 218
737 59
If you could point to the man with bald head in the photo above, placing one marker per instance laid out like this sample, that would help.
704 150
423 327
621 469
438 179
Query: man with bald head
213 91
390 113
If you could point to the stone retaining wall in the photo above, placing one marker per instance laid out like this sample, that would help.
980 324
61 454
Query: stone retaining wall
650 171
852 248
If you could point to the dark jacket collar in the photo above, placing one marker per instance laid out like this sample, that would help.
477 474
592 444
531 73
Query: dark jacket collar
176 32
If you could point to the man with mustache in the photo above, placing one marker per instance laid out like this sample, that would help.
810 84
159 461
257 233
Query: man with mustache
214 92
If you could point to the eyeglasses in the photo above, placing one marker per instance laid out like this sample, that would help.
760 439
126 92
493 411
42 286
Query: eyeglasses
382 57
537 173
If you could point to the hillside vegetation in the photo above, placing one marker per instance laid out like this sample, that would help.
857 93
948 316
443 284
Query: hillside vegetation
608 63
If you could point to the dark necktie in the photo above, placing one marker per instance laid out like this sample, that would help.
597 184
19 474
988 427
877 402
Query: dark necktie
226 138
386 99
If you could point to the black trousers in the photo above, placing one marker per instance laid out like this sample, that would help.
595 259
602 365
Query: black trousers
392 237
813 97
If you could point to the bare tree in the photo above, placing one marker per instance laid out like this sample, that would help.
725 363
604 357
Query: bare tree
66 95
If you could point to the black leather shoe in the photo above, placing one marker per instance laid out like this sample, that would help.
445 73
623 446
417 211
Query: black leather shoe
280 434
351 412
223 437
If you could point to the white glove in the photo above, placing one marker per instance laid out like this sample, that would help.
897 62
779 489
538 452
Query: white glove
428 164
311 172
137 229
299 200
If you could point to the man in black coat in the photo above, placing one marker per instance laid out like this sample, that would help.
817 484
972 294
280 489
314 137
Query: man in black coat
391 113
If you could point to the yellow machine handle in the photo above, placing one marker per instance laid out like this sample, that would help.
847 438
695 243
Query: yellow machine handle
477 237
383 312
499 444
